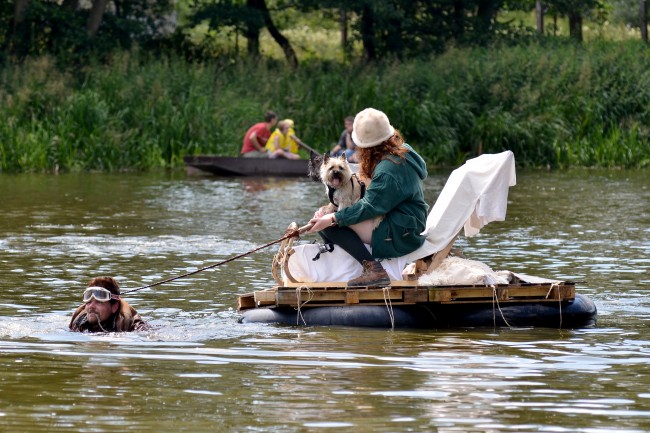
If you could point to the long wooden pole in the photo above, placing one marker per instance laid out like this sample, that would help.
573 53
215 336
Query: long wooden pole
288 234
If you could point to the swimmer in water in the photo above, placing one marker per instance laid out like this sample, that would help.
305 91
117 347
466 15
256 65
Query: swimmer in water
104 311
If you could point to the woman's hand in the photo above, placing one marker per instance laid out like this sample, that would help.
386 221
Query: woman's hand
322 222
320 212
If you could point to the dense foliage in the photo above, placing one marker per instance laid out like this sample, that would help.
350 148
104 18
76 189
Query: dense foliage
553 106
76 32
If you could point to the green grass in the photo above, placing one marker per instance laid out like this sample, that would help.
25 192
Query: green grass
554 106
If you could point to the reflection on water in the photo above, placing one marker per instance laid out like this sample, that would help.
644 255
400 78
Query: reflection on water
198 370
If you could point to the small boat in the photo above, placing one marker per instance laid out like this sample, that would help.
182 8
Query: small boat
239 166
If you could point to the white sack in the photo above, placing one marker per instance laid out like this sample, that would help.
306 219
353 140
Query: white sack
333 266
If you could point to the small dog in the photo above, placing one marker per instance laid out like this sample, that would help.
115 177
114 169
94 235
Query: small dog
315 161
342 185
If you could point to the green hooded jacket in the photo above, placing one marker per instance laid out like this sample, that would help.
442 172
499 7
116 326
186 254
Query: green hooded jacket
396 194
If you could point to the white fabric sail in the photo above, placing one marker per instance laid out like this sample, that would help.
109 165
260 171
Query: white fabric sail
475 194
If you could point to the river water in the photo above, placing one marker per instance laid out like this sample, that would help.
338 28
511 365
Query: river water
198 370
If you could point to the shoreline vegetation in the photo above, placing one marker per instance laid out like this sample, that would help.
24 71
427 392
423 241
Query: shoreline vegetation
554 105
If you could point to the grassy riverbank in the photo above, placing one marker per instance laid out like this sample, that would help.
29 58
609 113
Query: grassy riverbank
553 106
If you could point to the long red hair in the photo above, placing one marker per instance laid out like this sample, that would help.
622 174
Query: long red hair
369 157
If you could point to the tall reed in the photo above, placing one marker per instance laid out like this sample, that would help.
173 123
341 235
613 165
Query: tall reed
554 106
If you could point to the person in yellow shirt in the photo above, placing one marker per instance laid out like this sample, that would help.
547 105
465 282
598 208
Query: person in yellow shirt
280 141
293 140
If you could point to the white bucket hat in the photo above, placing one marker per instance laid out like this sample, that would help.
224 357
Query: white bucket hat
371 127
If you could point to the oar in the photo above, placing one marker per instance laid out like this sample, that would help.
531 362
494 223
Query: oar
288 234
311 149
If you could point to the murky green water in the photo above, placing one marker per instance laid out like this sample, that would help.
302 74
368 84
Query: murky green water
200 371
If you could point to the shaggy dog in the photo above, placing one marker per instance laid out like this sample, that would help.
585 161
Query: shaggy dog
342 185
315 161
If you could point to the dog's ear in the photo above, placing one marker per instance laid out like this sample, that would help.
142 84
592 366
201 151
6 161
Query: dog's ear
343 157
326 157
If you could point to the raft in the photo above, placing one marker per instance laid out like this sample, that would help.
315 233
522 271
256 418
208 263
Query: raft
549 305
429 288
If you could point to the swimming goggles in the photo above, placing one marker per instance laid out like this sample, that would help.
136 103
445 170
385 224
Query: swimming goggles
99 293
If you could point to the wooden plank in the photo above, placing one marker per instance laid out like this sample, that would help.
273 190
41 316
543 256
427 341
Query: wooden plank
403 283
335 284
503 293
440 256
313 296
568 292
351 297
265 297
246 301
290 298
415 296
343 284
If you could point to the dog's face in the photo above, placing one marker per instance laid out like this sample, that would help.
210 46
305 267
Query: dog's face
315 162
335 172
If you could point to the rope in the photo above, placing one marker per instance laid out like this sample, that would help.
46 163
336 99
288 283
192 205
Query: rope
559 298
289 234
389 306
298 293
495 298
553 285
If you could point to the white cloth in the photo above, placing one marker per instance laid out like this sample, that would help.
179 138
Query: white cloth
475 194
333 266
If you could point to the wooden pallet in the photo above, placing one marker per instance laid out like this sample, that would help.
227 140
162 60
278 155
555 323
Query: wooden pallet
403 293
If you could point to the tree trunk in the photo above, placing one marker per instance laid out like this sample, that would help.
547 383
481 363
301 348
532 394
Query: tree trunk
459 19
252 35
344 32
485 13
95 17
19 12
251 31
289 53
367 33
575 26
643 21
539 9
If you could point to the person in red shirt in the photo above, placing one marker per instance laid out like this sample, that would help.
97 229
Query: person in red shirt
257 136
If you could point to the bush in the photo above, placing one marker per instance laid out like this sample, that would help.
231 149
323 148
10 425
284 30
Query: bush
566 106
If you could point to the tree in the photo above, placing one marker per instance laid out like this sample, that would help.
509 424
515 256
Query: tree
73 30
95 17
19 12
574 10
262 8
248 17
409 28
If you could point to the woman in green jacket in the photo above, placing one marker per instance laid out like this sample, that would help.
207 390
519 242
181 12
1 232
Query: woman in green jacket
392 214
